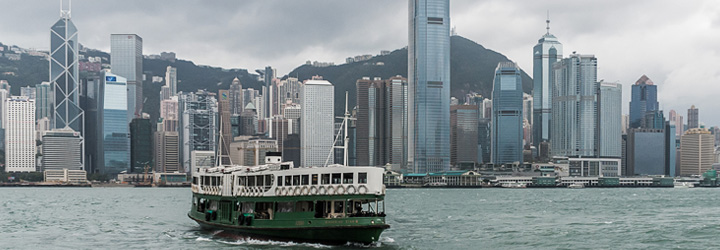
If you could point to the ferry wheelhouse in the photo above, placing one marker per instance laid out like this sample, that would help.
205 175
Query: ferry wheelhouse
334 204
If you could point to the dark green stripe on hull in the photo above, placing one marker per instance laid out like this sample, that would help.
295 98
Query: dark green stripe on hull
321 234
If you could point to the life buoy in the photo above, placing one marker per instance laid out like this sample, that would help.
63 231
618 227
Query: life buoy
340 190
322 190
305 191
278 192
331 190
313 190
285 191
362 189
297 191
351 189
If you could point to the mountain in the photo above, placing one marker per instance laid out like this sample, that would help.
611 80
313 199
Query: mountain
472 68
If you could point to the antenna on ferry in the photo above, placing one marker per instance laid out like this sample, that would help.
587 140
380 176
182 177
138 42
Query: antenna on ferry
219 155
346 140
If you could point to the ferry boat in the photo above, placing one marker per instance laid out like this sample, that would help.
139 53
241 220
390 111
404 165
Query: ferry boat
334 204
576 185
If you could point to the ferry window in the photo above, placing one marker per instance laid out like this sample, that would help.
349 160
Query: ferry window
338 207
326 179
347 178
296 180
264 210
268 180
288 181
260 181
248 207
305 180
335 178
206 180
195 180
251 181
285 207
362 178
314 179
304 206
242 180
279 181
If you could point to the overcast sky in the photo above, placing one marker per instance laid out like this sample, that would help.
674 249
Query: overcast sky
675 43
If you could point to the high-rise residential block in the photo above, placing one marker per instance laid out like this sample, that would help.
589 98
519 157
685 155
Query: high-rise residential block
171 79
317 121
610 120
574 107
643 101
697 156
236 97
126 60
429 85
507 126
546 52
20 147
693 117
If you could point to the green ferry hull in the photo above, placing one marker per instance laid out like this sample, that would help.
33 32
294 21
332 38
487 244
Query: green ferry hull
321 234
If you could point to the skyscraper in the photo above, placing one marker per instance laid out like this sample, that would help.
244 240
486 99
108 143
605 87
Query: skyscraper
317 119
610 118
371 108
463 135
141 148
429 85
267 95
236 97
64 75
126 60
574 107
693 117
507 125
676 120
643 101
546 52
697 146
109 144
43 100
171 79
396 114
198 124
224 113
28 92
19 134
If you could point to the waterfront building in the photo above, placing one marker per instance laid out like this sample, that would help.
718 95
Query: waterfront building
697 146
693 117
171 80
546 53
429 86
317 119
646 152
62 150
574 107
126 60
643 101
20 147
198 124
43 100
507 126
236 97
610 120
166 149
601 167
224 113
464 135
64 75
108 138
141 147
484 140
396 114
370 122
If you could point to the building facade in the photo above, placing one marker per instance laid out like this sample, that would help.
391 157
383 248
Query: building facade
574 107
171 80
62 150
43 100
317 119
126 60
464 135
236 97
198 124
20 147
643 101
141 145
697 155
110 142
610 120
693 117
507 125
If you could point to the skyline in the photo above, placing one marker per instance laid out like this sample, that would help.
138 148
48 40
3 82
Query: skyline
643 29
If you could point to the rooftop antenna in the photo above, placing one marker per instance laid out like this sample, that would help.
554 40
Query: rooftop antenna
65 13
548 22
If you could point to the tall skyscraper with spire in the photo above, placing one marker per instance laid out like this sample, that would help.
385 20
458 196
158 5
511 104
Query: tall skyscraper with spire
67 114
546 52
429 85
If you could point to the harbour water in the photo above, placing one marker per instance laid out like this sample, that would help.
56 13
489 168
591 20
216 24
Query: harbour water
155 218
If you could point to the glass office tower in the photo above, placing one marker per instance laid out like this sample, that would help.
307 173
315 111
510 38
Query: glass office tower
429 85
507 120
546 52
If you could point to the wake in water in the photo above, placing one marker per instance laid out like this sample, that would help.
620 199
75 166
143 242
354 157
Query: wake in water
240 240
